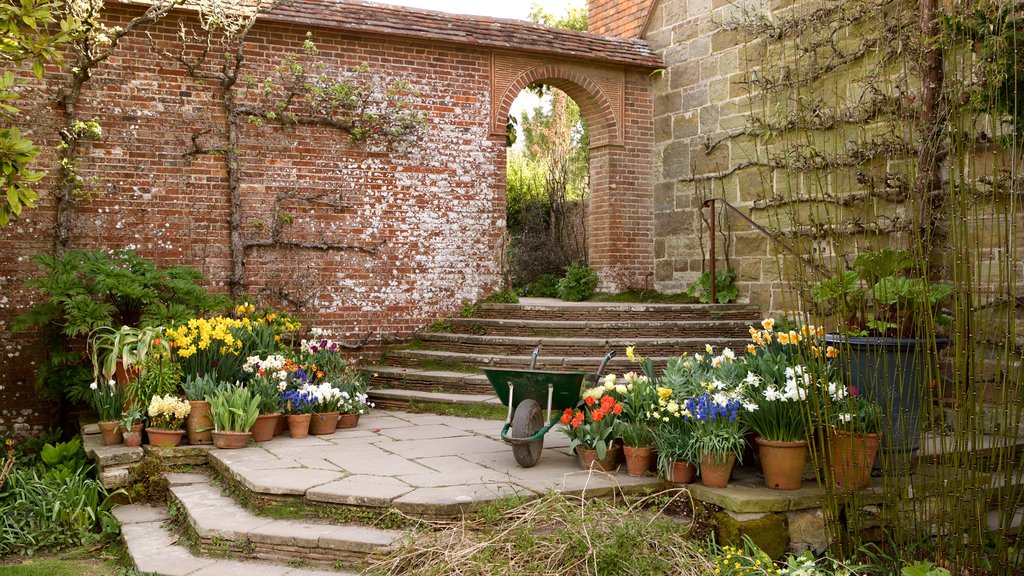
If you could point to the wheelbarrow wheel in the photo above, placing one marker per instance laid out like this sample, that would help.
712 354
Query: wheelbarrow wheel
527 420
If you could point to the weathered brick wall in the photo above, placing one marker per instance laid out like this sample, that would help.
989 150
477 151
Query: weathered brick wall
623 18
436 203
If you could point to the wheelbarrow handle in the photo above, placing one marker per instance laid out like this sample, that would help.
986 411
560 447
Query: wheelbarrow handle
533 357
604 363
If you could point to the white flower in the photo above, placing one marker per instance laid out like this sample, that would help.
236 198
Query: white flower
771 394
94 385
752 380
696 357
718 384
836 391
728 354
112 383
609 381
720 398
717 361
750 406
620 388
709 349
845 417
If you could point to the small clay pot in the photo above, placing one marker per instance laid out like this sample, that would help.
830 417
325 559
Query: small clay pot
263 429
133 438
348 420
112 432
325 423
231 440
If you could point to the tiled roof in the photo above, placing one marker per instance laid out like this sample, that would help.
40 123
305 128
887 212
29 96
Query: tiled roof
370 18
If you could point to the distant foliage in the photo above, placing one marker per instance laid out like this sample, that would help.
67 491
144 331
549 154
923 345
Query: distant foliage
579 283
725 290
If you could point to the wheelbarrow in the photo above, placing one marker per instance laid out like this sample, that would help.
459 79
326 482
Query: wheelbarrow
524 391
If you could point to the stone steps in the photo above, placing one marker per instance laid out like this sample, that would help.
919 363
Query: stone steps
402 398
552 309
222 526
580 346
583 328
155 550
430 359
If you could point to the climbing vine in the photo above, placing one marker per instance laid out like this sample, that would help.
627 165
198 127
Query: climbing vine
299 91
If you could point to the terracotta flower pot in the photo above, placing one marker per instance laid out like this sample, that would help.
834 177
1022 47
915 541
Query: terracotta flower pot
679 472
783 463
589 461
282 425
851 456
199 423
133 438
263 429
112 432
298 425
164 438
231 440
638 459
348 420
325 423
714 473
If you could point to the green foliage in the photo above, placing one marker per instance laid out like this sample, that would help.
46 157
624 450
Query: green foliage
645 296
502 297
574 18
725 290
468 310
234 410
159 377
545 286
86 290
130 346
636 434
108 399
148 481
924 568
53 504
885 294
31 33
578 284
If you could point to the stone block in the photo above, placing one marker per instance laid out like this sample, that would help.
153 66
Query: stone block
664 196
672 223
807 531
684 75
685 125
767 531
750 244
725 39
663 128
694 99
709 162
667 103
676 160
663 270
685 31
708 119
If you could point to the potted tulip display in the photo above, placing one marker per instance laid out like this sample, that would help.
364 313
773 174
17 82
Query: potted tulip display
592 432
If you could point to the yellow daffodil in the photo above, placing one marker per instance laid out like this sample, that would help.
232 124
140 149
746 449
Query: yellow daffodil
664 392
631 353
768 324
751 349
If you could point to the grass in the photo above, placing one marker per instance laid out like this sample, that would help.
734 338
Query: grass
645 297
482 411
110 560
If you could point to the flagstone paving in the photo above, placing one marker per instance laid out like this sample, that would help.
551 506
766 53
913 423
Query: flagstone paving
422 464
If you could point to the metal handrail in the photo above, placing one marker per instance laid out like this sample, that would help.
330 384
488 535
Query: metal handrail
710 203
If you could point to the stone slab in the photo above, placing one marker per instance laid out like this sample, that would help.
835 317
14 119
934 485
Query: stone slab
152 550
114 477
117 454
290 481
140 514
448 447
212 515
362 539
186 478
424 432
451 500
287 533
360 490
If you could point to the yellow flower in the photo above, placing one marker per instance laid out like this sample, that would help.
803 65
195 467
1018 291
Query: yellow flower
794 337
831 352
664 393
768 324
709 349
751 349
820 332
630 353
783 338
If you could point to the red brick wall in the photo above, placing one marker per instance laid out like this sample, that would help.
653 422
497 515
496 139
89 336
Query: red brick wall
437 203
622 18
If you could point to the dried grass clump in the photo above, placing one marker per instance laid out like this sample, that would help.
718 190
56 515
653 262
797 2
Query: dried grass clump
559 535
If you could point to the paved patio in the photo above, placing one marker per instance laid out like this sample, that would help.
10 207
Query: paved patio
422 464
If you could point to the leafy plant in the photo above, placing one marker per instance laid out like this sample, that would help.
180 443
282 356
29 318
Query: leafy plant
578 284
725 290
636 434
234 410
884 294
159 377
108 399
924 568
595 427
545 286
502 297
674 442
718 429
85 290
201 387
128 345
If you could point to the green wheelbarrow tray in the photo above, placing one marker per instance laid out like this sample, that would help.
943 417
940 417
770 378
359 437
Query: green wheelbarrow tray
515 386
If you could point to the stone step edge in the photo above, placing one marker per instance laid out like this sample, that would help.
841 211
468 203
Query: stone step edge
155 550
216 517
616 343
602 324
398 394
618 361
439 376
552 304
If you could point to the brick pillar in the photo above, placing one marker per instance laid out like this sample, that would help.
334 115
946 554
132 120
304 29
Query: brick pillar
622 18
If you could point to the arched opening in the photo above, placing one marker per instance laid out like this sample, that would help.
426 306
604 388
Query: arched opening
547 189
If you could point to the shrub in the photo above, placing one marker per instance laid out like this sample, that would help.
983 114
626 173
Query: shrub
545 286
578 284
503 297
725 290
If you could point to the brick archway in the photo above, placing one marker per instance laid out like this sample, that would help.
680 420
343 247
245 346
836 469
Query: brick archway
621 217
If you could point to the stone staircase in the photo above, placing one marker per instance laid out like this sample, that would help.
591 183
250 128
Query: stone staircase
446 363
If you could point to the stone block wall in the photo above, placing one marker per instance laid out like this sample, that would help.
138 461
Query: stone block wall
434 205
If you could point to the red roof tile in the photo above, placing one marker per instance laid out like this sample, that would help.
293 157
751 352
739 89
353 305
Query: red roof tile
481 31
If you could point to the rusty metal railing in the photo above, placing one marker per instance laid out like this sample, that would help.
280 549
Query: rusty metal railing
710 203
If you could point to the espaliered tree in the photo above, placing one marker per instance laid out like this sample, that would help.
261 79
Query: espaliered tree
298 92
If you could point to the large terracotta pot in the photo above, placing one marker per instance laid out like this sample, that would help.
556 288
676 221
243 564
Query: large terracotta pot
298 425
325 423
851 456
679 472
231 440
164 438
348 420
589 461
112 432
199 423
638 459
263 429
714 473
783 463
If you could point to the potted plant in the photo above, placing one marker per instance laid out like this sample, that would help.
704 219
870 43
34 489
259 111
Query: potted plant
297 405
592 432
108 400
131 423
718 436
674 442
638 399
855 424
354 400
268 378
888 313
117 352
166 415
325 409
157 375
638 445
199 423
234 411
